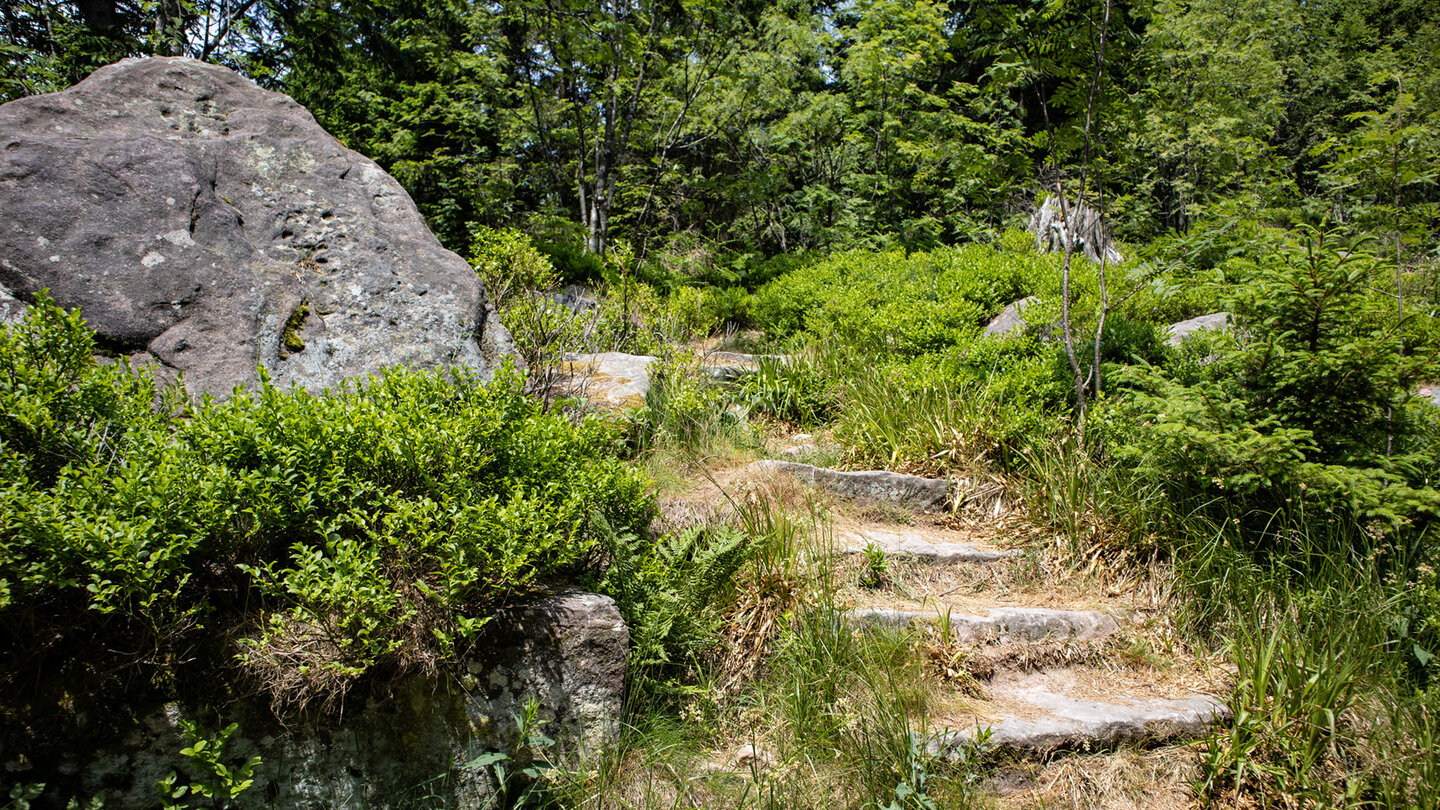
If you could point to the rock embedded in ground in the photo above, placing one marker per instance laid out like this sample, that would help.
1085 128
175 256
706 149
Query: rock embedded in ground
732 366
566 651
1428 392
1042 713
611 381
869 486
1177 332
741 360
726 373
202 222
1010 319
576 298
748 757
1002 625
923 545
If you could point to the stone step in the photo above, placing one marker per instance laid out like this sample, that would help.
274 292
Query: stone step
742 360
1001 625
911 491
923 543
725 373
1038 713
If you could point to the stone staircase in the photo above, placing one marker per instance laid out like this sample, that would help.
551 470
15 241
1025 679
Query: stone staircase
1048 662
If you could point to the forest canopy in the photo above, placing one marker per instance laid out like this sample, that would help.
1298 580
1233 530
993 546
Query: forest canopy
741 131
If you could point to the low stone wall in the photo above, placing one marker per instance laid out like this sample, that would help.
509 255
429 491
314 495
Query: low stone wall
567 652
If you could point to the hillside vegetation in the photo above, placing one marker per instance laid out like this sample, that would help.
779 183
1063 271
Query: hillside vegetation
840 192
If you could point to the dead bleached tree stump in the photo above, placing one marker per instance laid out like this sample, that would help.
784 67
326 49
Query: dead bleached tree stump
1082 230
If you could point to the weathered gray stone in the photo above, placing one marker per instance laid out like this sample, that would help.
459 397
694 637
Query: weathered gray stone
1010 319
726 373
12 309
1429 392
731 366
567 652
217 227
611 381
1177 332
1047 717
576 299
742 360
924 494
1002 625
911 543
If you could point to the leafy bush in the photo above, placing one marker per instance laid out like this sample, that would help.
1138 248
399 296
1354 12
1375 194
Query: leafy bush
666 320
728 307
573 264
376 527
893 303
509 265
682 410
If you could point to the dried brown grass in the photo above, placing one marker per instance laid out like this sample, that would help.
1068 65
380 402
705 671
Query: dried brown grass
1127 779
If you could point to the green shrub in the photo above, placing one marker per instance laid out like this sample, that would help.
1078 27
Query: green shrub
509 265
670 319
1308 403
377 526
728 307
573 264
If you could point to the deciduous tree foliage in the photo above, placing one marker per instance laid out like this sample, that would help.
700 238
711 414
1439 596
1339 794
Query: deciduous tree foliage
773 126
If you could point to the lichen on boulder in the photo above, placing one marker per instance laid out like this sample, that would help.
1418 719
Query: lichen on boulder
189 215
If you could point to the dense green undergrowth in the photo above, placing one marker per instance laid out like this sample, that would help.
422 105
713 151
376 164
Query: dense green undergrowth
306 540
1281 470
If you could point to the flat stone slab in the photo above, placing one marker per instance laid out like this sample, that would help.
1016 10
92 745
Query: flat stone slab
1002 625
741 360
1045 714
912 491
612 381
1215 321
726 373
918 544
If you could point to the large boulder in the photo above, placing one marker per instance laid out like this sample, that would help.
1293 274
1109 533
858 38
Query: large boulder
212 226
565 652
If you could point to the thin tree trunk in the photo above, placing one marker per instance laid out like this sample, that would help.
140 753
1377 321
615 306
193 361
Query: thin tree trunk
1103 249
1399 266
1069 336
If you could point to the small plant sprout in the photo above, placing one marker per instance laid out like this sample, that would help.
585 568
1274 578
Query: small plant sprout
877 569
